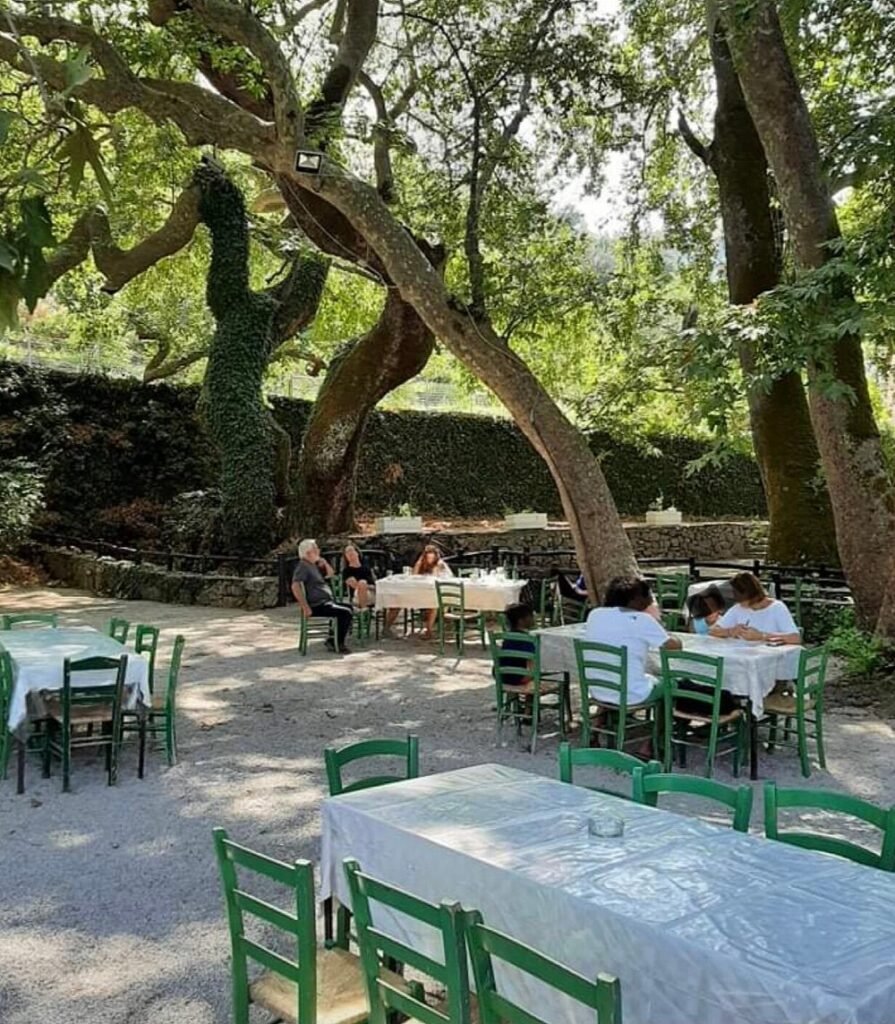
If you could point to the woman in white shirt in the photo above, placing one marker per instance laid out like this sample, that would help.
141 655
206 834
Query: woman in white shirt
756 616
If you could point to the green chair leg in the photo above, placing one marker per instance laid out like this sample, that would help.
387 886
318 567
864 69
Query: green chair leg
772 733
819 734
802 735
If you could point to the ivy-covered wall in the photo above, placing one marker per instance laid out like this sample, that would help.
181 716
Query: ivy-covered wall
118 448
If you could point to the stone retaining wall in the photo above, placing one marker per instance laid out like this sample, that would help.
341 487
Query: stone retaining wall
108 577
710 541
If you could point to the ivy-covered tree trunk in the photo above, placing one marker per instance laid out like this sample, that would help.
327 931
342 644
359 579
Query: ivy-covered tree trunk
801 519
234 407
394 351
844 425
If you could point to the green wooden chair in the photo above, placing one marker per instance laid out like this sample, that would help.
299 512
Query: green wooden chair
146 642
524 691
671 589
450 972
336 759
718 734
85 705
31 619
6 737
161 718
118 629
648 786
548 608
805 707
883 818
310 626
451 595
312 984
624 723
571 758
487 945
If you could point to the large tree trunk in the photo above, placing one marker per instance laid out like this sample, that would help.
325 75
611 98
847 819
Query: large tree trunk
394 351
237 359
801 519
846 432
601 543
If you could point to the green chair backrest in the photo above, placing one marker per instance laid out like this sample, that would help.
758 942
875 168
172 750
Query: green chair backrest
31 619
299 924
6 679
337 758
174 672
812 673
451 596
337 586
882 818
73 694
603 666
688 667
648 786
146 642
671 589
375 944
486 945
600 757
503 668
118 629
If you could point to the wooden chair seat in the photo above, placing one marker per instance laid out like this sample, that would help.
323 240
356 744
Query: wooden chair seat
465 617
440 1004
81 714
158 701
341 991
784 704
528 689
689 716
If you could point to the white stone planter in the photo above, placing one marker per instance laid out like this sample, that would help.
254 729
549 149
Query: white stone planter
667 517
399 524
526 521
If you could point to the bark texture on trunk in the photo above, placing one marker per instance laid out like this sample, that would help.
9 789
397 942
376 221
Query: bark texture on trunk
602 546
846 432
801 519
394 351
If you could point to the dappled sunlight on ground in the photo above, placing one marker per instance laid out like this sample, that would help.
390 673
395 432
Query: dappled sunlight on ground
111 908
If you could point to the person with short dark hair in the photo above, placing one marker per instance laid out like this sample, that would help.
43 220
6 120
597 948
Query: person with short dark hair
313 594
706 609
756 616
520 619
624 621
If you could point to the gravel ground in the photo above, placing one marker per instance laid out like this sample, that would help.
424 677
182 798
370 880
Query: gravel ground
111 910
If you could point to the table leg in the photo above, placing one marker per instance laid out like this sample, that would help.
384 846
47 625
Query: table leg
20 766
753 743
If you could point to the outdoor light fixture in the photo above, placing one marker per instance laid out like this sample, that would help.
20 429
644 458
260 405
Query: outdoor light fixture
308 162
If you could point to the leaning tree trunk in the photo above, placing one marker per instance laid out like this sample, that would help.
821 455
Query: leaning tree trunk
234 408
394 351
845 428
601 543
801 519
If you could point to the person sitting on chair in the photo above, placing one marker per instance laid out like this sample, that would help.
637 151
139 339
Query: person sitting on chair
358 578
520 619
756 616
313 594
706 609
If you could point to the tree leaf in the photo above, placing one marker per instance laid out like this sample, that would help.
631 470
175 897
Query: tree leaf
6 119
36 282
77 70
76 152
95 159
30 176
37 222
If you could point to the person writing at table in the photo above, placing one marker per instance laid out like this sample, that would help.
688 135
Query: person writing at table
430 563
755 616
625 621
313 594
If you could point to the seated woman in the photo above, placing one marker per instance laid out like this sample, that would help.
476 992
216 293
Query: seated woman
358 578
756 616
706 609
429 563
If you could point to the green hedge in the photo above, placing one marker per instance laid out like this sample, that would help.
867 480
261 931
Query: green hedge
108 443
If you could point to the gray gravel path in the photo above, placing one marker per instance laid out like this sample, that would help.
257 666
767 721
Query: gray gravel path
110 908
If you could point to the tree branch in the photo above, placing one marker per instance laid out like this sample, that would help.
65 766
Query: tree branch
238 25
382 159
694 143
92 232
160 366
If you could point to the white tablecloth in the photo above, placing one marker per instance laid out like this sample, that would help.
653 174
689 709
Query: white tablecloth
491 594
37 664
750 669
699 923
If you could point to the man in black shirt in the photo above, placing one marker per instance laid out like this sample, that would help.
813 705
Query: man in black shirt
313 594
